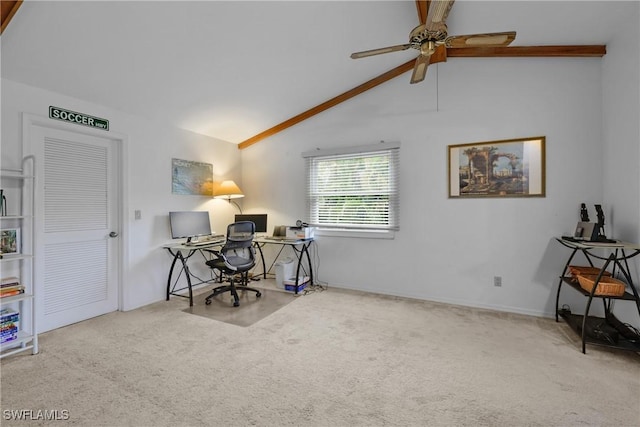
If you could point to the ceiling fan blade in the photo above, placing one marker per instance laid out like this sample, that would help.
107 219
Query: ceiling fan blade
438 12
420 69
479 40
380 51
422 6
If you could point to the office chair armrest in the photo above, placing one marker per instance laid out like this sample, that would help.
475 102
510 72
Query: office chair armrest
216 253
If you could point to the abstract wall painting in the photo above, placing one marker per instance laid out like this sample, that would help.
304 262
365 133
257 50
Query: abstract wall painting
191 178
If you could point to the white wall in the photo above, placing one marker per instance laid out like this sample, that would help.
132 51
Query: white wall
621 136
447 250
450 249
150 148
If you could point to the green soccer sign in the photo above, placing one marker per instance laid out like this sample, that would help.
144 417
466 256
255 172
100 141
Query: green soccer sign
78 118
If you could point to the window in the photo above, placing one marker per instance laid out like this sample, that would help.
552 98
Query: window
354 188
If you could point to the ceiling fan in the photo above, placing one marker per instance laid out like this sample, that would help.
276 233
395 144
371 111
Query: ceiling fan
432 33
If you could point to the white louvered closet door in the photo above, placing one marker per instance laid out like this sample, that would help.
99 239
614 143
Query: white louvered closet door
79 207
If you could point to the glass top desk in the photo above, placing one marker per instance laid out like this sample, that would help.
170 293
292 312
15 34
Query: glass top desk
300 248
181 253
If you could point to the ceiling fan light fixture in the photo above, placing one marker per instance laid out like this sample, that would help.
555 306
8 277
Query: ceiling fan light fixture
428 48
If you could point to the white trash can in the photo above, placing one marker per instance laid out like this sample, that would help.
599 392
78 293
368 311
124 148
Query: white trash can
284 270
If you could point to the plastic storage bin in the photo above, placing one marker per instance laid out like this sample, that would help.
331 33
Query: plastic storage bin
284 270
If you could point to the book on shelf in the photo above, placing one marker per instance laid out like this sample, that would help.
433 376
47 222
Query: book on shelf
8 315
8 338
11 288
9 330
9 334
4 294
9 281
8 327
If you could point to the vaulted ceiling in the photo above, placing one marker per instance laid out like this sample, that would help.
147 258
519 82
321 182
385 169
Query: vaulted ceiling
241 70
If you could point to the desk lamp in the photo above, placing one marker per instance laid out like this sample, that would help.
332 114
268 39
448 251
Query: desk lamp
228 190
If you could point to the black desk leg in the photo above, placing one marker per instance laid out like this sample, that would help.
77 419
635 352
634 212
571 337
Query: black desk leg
306 249
173 264
264 267
296 284
185 267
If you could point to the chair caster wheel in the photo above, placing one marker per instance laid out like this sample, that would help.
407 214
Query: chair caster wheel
207 302
258 294
236 304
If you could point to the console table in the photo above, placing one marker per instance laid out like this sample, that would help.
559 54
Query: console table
615 257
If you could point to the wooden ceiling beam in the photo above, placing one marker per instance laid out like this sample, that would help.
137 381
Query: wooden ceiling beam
527 51
440 55
330 103
7 10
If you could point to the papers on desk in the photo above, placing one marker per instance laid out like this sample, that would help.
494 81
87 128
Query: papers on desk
605 244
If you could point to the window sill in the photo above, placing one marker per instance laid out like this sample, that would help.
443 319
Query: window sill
360 234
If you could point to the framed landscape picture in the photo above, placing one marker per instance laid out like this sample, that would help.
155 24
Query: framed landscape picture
505 168
9 241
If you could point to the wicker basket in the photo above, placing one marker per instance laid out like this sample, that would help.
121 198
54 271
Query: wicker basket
577 270
607 286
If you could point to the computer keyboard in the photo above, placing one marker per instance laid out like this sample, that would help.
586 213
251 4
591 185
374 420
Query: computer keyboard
208 242
211 240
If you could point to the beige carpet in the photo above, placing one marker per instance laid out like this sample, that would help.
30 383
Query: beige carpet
332 358
251 309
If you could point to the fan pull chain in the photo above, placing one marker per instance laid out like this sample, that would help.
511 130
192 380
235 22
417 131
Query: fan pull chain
437 88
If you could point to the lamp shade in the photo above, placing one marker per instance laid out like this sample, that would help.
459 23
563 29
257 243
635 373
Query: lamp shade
227 190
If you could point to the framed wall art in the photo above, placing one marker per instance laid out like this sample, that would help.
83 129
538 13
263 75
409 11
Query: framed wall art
9 241
191 178
505 168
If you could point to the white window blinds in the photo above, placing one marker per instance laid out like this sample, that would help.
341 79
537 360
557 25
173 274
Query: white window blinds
354 188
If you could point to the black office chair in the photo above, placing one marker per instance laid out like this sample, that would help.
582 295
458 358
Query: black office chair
236 258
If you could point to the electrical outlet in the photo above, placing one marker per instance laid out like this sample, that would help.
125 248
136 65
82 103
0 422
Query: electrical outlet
497 280
137 214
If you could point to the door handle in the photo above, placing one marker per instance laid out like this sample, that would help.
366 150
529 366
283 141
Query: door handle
113 234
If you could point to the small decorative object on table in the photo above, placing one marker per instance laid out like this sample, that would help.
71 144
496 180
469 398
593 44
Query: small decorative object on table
9 241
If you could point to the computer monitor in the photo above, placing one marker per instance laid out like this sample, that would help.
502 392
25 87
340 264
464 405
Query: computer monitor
189 224
260 220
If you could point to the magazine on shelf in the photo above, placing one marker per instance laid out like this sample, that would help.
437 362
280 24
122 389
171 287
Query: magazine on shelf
10 286
9 281
4 294
8 315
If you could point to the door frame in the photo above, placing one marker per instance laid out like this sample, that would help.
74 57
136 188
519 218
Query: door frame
122 174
